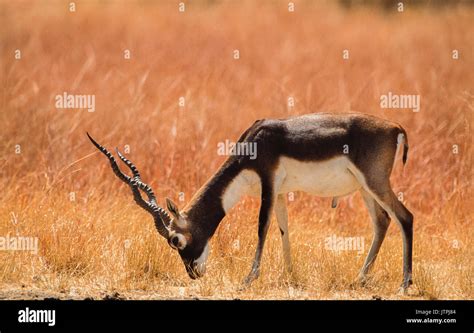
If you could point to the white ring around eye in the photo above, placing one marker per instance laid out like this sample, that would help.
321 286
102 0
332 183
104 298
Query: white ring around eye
181 241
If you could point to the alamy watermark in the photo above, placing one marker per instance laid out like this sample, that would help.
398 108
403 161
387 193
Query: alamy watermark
240 149
37 316
338 244
394 101
19 243
70 101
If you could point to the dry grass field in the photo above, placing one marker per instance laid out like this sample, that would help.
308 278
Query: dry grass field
95 242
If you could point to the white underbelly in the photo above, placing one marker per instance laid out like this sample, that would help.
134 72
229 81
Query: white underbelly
328 178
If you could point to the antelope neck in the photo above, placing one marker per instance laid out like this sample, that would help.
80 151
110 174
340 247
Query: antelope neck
205 210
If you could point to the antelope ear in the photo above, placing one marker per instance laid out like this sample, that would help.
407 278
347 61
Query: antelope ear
173 208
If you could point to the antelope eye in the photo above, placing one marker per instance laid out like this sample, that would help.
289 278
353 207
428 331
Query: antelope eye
175 241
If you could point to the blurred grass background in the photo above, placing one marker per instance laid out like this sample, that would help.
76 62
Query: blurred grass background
102 242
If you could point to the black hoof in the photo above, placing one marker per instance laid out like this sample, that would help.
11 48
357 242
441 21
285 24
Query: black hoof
405 285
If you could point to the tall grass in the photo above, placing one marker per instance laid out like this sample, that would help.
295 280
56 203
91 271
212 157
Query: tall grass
102 243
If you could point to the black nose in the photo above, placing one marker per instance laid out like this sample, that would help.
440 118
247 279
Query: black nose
192 273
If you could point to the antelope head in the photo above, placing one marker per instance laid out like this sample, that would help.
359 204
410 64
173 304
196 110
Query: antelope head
176 229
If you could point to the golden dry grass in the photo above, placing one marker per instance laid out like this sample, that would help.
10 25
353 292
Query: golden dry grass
102 243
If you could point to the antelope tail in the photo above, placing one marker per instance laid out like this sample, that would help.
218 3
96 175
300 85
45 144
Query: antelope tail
402 138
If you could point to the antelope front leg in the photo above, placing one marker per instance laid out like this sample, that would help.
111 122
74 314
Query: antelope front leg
264 219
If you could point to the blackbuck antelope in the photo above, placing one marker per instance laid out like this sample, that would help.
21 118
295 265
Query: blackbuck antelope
329 155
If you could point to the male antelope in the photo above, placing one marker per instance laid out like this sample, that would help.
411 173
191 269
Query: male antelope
329 155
